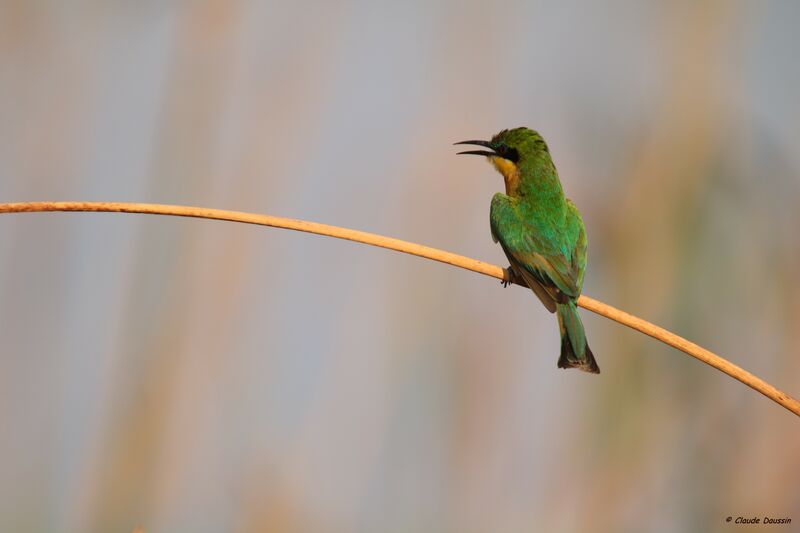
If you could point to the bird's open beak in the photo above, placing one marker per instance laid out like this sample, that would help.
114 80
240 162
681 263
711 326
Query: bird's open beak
478 152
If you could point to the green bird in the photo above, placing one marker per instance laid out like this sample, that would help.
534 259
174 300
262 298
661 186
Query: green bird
541 233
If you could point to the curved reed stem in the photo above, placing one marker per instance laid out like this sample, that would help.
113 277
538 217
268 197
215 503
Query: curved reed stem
480 267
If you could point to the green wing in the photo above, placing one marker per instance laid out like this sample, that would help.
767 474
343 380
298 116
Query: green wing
552 268
579 255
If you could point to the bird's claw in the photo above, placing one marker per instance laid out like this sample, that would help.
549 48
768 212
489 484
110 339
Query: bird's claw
511 278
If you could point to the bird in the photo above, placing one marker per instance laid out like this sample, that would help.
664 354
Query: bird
541 232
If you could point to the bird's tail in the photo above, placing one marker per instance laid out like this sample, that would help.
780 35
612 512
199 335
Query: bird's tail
575 352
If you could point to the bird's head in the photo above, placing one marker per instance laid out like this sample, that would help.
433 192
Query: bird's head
511 150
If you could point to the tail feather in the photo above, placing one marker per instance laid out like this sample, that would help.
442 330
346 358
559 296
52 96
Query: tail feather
575 352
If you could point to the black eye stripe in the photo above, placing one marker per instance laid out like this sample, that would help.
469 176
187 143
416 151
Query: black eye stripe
507 153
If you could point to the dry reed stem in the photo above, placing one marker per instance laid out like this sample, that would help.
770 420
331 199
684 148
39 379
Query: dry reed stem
474 265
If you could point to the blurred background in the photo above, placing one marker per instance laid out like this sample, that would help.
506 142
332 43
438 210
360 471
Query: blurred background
189 375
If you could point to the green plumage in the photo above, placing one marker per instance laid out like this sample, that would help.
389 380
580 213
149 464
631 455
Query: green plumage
542 234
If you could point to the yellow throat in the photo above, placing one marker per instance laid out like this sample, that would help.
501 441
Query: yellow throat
509 170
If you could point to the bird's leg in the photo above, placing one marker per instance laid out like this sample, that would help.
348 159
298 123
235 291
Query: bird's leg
511 277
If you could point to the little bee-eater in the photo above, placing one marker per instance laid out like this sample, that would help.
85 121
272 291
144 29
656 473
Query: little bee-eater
541 233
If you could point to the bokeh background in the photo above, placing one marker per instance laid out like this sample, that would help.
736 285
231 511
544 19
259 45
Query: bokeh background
188 375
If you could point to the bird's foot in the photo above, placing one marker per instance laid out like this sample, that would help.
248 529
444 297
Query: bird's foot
511 277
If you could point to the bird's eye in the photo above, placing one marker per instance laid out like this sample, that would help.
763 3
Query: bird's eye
506 152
